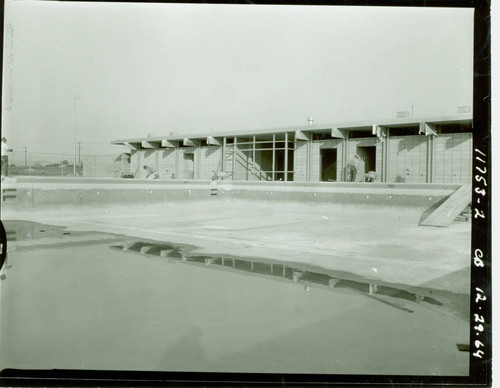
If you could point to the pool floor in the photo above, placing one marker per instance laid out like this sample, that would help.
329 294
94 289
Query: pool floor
113 305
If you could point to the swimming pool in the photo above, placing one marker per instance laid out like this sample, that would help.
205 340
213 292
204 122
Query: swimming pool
79 300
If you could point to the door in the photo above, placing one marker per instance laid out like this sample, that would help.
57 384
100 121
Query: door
329 165
368 157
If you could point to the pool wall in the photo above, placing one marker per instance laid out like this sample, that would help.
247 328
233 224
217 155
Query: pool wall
31 193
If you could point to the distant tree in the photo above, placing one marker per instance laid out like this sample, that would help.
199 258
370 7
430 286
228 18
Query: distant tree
65 163
12 165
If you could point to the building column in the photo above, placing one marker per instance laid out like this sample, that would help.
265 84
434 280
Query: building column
286 157
385 157
235 149
274 157
344 156
224 142
177 162
430 159
197 161
139 160
308 157
253 157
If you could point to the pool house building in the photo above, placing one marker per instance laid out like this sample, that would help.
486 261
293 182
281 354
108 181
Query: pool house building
405 150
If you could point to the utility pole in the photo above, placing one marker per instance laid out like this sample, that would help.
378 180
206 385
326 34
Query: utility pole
75 97
25 156
79 150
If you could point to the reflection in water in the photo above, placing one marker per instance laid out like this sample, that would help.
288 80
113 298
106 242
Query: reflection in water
23 231
277 270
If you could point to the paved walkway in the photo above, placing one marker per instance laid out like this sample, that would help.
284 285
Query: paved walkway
379 244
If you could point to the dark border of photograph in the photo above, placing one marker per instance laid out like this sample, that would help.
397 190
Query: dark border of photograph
480 345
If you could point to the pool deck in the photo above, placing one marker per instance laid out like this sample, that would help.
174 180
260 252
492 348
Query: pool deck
382 244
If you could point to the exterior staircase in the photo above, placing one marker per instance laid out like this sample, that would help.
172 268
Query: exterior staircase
243 165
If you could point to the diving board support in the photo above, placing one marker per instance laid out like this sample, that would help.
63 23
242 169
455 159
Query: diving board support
450 208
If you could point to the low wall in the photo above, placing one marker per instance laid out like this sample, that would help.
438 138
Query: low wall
31 193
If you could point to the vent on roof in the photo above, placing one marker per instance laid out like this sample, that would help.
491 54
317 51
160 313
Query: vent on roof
403 114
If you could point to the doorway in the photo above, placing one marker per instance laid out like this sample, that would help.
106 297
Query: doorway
368 155
188 166
329 165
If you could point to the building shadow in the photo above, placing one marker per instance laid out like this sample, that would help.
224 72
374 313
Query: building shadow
454 141
186 353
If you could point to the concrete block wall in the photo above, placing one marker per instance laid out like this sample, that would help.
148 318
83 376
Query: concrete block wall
135 161
452 158
300 161
167 162
407 159
144 157
210 160
150 158
315 161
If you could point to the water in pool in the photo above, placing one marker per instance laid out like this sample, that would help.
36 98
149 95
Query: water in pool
81 301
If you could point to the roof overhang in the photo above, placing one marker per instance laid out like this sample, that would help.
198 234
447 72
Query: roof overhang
211 138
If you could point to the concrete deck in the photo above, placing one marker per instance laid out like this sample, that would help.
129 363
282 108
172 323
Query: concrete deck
382 244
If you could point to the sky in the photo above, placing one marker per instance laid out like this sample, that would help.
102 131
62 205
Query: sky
139 69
